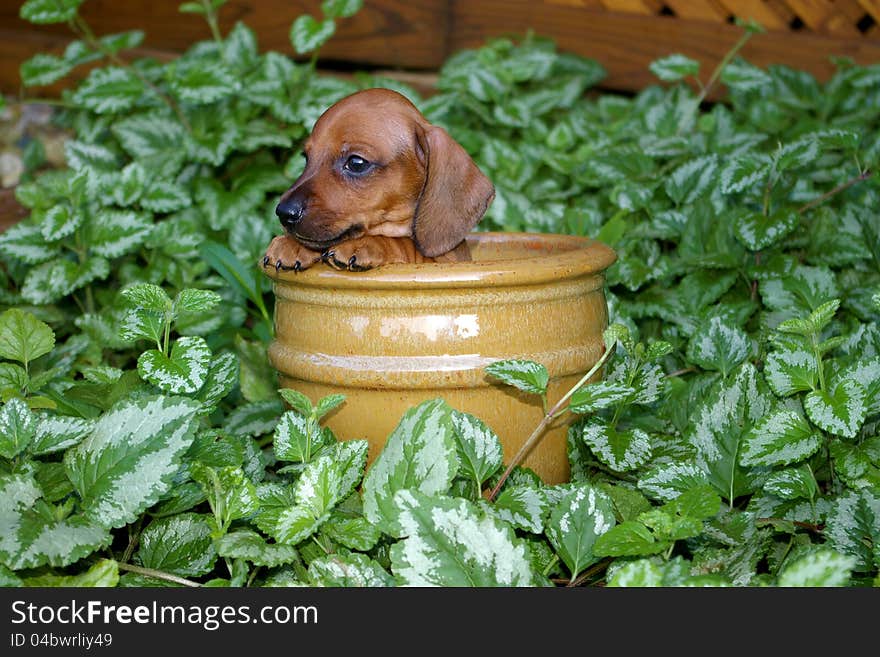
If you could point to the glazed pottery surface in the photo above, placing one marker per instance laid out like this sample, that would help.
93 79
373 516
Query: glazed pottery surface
392 337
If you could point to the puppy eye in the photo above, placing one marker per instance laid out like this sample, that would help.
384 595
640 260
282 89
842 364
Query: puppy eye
356 164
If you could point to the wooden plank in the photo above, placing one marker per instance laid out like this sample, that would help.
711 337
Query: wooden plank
645 7
701 10
391 33
767 14
824 16
626 43
871 7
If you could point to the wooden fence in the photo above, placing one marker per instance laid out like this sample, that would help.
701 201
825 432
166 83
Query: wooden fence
624 35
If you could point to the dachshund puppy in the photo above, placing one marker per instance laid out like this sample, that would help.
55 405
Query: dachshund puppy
381 185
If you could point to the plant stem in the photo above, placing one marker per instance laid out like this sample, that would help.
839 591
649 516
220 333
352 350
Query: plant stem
211 17
840 188
589 572
538 433
724 62
157 574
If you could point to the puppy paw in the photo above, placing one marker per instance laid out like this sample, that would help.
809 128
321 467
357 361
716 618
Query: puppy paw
286 254
355 255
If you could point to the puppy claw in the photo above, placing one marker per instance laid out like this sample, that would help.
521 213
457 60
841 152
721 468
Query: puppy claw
351 261
297 266
278 265
265 261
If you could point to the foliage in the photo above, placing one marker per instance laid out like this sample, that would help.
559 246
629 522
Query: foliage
733 439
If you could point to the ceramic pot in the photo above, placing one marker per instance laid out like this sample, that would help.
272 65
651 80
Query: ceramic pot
395 336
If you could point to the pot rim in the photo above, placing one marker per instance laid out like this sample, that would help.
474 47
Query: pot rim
573 257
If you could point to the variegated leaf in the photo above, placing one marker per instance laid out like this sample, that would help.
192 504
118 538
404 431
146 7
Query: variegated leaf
820 568
419 454
450 542
479 450
185 370
582 515
57 433
792 483
109 90
179 544
18 426
840 411
249 545
117 232
524 375
29 540
620 450
129 460
523 507
719 345
316 493
853 528
789 371
348 570
780 438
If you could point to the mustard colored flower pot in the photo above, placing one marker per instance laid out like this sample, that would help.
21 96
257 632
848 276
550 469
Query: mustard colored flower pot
392 337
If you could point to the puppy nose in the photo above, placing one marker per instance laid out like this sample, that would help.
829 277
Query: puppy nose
290 212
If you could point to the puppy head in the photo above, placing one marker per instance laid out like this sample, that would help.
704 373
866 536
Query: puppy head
375 166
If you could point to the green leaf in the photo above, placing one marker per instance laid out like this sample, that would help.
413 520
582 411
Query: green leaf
308 34
743 173
641 572
420 454
801 291
628 539
524 375
254 419
13 379
163 197
789 371
297 438
154 140
29 539
202 83
719 345
819 568
109 90
779 438
59 222
122 41
185 370
56 279
792 483
191 8
43 69
298 401
523 507
25 242
758 232
739 75
853 528
720 426
230 493
674 67
23 337
582 515
17 428
327 404
241 278
595 396
620 450
316 492
119 232
221 379
131 457
191 300
355 533
49 11
249 545
450 542
341 8
479 449
105 573
148 297
692 180
840 411
179 544
348 570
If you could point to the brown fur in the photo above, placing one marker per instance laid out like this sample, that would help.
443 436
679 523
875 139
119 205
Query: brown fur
417 201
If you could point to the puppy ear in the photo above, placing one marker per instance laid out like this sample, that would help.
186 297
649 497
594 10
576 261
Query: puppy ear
455 196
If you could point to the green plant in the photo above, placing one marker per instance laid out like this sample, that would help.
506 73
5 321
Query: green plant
732 441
